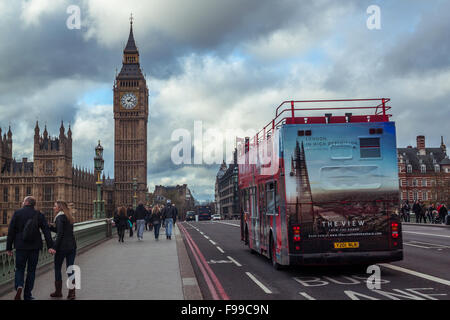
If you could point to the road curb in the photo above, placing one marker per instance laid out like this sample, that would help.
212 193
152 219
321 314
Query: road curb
191 289
425 225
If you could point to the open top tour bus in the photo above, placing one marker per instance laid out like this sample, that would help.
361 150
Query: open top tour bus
322 189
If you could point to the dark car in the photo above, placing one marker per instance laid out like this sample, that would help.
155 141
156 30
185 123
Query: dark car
190 215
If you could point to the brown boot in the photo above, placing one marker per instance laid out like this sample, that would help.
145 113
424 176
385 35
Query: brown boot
18 294
58 290
71 294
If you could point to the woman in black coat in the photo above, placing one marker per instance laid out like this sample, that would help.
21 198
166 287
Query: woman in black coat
64 245
121 220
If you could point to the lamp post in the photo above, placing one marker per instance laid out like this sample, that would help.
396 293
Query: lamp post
135 193
99 204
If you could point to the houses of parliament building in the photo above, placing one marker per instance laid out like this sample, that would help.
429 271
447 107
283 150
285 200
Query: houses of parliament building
52 176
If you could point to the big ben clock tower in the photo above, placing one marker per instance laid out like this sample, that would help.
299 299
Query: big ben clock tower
130 127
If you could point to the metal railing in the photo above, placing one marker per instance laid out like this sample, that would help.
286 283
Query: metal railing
86 233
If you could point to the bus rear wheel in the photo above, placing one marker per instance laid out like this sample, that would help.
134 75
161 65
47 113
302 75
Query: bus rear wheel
273 257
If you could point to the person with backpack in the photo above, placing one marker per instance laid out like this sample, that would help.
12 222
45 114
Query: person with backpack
130 214
169 215
24 233
65 246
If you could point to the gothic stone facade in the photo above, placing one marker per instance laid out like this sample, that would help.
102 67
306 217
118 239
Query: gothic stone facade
51 176
227 190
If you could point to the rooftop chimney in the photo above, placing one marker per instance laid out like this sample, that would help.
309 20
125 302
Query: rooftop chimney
421 145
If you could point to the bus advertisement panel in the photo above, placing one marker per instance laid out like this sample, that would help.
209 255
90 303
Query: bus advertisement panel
342 186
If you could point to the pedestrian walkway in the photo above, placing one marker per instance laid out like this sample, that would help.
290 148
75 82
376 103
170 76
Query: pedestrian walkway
133 270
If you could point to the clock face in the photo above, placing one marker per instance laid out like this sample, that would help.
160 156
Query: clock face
129 100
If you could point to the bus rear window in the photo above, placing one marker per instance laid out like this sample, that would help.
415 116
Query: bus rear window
369 148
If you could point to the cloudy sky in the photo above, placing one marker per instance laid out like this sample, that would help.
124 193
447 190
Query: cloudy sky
225 63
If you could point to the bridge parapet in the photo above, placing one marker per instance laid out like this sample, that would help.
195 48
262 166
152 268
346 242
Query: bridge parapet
86 233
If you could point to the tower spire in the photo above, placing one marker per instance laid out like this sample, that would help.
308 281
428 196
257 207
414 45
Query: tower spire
131 44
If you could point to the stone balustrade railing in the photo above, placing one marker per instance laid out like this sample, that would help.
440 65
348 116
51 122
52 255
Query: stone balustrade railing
86 233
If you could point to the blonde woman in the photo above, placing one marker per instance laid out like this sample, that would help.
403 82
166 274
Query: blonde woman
64 245
155 220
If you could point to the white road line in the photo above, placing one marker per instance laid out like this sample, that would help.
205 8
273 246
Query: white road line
206 237
430 244
307 296
234 261
415 273
265 289
213 242
415 245
230 224
427 234
220 249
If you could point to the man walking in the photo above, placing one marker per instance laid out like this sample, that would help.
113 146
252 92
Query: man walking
405 210
24 233
139 215
169 215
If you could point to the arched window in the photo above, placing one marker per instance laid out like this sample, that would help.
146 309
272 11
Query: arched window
423 168
437 168
409 168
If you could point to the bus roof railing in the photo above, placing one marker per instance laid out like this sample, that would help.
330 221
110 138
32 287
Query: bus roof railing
379 108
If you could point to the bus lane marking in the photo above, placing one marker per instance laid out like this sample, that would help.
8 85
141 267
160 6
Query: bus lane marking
263 287
415 273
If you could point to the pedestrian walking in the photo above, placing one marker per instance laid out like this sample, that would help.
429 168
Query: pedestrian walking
430 210
121 221
139 216
443 213
406 211
24 234
155 220
148 214
65 246
169 215
417 210
130 214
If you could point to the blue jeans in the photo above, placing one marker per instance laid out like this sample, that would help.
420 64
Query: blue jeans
28 259
140 227
169 225
156 228
59 259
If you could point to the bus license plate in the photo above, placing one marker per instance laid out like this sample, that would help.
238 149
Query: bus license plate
346 245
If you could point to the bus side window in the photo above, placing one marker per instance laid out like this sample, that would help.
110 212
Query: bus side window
271 198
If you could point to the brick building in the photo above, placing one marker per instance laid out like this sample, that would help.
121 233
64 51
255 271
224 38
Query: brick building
424 173
180 195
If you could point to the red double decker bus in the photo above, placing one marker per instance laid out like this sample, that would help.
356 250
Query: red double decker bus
320 188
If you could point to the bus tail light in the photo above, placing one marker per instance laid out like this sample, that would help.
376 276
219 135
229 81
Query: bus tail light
394 230
296 233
